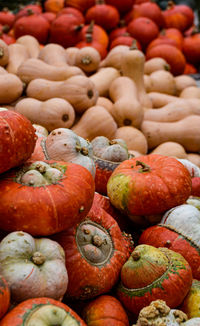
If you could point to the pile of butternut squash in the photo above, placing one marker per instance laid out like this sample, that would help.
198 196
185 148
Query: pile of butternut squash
123 96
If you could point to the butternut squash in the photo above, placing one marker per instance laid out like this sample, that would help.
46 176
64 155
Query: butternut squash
36 68
87 59
163 81
3 71
106 103
11 88
160 99
194 158
103 78
114 57
134 139
4 53
71 53
147 83
126 110
31 44
53 54
51 114
182 82
96 121
135 153
79 91
173 111
18 54
133 67
190 92
155 64
185 132
170 148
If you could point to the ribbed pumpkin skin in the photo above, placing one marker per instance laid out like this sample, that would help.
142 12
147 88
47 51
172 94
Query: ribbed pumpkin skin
191 303
160 236
4 296
19 314
191 48
136 192
17 139
49 209
81 5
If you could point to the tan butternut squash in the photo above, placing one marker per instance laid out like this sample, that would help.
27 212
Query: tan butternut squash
173 111
103 79
160 99
96 121
71 54
114 57
31 43
3 71
106 103
133 67
79 91
182 82
87 59
185 132
4 53
53 54
170 148
155 64
36 68
190 92
147 83
51 114
11 88
126 110
163 81
135 153
18 54
194 158
134 139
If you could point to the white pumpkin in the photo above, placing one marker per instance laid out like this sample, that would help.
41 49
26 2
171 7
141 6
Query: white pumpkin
193 169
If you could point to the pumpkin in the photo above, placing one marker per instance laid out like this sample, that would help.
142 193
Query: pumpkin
28 10
72 11
173 34
190 69
49 16
129 187
125 39
7 17
191 303
81 5
4 297
105 310
153 273
40 310
191 48
122 7
17 139
147 9
54 6
26 261
118 31
95 251
55 195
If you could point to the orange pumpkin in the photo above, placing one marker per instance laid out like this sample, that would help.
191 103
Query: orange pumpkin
54 5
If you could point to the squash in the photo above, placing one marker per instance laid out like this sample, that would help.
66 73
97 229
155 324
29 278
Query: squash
126 110
133 67
18 54
105 102
71 54
88 59
194 158
191 303
31 43
170 149
53 54
79 91
114 57
40 130
95 121
31 261
103 78
51 114
163 81
160 99
190 92
155 64
36 68
147 83
4 53
134 138
3 71
182 82
11 88
173 111
185 132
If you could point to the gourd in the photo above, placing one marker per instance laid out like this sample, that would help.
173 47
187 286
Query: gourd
87 59
4 54
95 121
133 67
25 260
40 130
18 54
79 91
170 148
105 102
31 43
134 139
190 92
51 114
11 88
103 79
160 99
162 81
71 54
114 57
185 132
147 83
155 64
53 54
126 110
191 303
182 82
194 158
35 68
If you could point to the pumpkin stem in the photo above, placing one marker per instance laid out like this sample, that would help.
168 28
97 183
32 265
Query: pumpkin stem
38 258
122 23
89 32
1 52
5 28
167 67
29 12
97 240
84 151
170 4
78 27
145 167
133 46
135 255
112 142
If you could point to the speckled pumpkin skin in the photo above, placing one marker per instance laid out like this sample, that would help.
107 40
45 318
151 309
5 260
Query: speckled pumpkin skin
137 191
